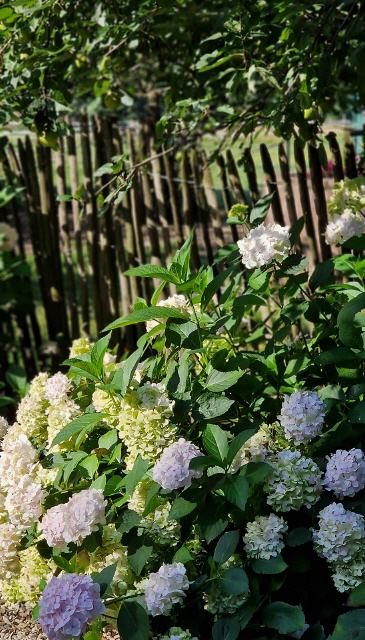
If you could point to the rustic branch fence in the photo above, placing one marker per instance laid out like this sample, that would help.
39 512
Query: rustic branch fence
82 247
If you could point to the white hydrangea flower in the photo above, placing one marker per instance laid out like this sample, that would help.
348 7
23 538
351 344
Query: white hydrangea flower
153 394
8 237
80 346
103 402
25 587
340 535
4 426
16 460
255 449
177 301
302 416
75 520
9 544
3 513
86 510
31 415
172 470
345 226
145 432
348 576
294 483
264 537
165 588
57 387
264 244
345 472
59 415
24 502
347 194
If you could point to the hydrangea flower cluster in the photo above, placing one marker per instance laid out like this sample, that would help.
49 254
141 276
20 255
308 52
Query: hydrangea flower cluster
165 588
345 226
8 237
57 387
264 537
161 529
345 472
68 604
347 194
172 469
25 587
144 431
340 540
10 538
59 415
294 483
302 416
31 415
4 426
263 245
80 346
153 394
75 520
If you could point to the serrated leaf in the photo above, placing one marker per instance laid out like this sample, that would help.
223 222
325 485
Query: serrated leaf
215 442
237 443
139 559
235 490
132 621
153 271
212 405
226 546
142 315
284 618
235 581
87 421
218 381
180 508
269 567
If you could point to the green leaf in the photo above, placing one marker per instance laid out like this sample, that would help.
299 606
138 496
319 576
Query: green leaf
213 520
153 271
91 464
132 621
124 375
212 405
147 313
257 472
71 465
135 475
213 286
87 421
234 581
298 536
182 555
260 210
105 577
235 490
270 567
357 413
357 596
245 302
226 546
139 559
284 618
185 335
215 442
295 231
322 274
108 439
259 280
226 629
237 443
218 381
349 321
98 351
350 626
180 508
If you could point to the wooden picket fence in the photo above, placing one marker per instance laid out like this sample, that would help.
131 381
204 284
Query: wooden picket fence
82 248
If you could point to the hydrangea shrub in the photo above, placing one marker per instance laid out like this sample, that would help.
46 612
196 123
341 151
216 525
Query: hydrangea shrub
210 484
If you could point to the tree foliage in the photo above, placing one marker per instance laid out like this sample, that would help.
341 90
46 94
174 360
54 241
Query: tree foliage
283 63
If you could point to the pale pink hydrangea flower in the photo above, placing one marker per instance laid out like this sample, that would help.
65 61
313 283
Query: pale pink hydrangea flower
345 472
172 469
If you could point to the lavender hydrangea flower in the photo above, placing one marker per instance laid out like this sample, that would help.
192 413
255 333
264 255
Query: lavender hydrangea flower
68 604
172 470
345 472
302 416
